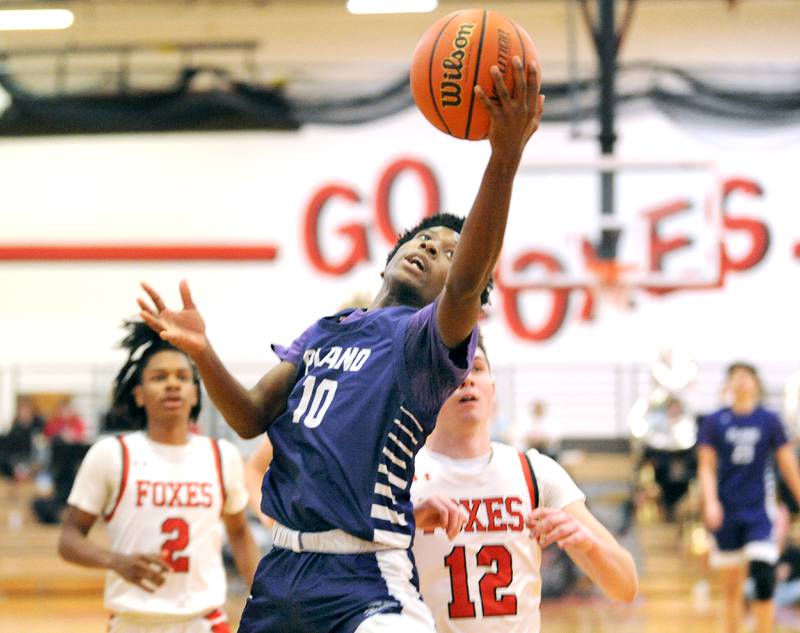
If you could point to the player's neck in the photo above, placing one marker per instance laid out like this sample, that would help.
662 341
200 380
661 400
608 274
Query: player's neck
459 445
744 405
387 298
168 433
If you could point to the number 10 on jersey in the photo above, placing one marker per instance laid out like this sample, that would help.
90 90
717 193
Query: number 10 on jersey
315 401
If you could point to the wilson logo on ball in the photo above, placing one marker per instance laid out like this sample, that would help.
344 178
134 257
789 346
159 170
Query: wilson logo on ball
450 92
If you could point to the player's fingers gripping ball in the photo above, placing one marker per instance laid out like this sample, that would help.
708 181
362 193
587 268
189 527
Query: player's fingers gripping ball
457 53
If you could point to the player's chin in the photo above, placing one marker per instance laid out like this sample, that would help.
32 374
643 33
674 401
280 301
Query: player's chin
470 414
170 416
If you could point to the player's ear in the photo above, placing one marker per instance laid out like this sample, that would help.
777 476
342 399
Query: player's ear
137 396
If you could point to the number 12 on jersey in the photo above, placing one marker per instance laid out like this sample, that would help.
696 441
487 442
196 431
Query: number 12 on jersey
315 401
499 559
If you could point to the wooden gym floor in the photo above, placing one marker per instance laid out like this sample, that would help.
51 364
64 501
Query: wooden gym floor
40 593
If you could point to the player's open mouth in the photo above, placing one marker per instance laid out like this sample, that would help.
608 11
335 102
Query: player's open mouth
467 398
417 261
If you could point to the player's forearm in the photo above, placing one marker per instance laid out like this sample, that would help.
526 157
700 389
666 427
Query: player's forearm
76 548
234 402
611 568
481 237
707 476
245 553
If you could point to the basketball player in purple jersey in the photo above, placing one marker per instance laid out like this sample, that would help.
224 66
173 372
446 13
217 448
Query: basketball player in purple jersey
353 400
735 450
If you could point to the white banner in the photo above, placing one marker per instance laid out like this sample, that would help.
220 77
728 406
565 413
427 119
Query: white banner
313 213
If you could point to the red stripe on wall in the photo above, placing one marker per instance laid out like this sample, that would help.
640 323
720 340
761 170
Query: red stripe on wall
137 252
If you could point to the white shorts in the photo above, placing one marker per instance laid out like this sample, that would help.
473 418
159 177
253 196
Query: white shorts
397 623
214 622
766 551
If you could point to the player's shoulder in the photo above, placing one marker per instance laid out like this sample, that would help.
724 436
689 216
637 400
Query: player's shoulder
106 444
106 453
228 452
722 414
767 413
505 452
423 456
537 458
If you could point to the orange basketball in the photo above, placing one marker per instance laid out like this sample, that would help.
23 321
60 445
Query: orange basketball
453 56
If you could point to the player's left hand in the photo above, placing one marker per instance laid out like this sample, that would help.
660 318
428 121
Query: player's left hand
548 526
439 512
514 115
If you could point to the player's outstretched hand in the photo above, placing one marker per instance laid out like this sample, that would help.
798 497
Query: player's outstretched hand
440 512
184 328
548 526
713 514
143 570
514 117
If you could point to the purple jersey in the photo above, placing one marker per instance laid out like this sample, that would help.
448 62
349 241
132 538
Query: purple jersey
744 445
367 391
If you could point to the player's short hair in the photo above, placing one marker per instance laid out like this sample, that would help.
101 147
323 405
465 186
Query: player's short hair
748 367
142 344
447 220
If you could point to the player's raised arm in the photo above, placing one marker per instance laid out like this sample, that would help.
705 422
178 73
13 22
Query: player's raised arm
248 412
514 118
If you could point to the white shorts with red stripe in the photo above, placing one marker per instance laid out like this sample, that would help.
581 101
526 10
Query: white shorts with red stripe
214 622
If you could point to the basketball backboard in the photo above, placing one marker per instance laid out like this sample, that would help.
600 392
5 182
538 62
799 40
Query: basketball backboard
667 214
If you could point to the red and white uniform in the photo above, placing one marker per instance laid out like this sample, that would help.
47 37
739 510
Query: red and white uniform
487 579
161 498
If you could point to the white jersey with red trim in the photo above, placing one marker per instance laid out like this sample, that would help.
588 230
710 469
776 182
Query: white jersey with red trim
487 579
167 499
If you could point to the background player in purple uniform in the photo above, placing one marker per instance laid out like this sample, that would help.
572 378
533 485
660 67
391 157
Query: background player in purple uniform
736 446
354 398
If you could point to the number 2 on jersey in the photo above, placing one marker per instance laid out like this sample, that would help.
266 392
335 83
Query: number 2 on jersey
176 544
495 556
315 401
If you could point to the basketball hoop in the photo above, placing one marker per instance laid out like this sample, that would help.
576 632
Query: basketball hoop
611 285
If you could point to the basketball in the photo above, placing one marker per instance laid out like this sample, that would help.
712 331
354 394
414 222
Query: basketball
453 56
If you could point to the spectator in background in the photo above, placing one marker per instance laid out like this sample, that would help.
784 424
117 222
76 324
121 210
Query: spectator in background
17 456
66 424
543 430
539 431
66 432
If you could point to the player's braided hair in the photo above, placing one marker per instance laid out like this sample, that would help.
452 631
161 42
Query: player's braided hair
142 343
447 220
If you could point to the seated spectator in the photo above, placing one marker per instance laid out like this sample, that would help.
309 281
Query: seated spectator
17 454
66 424
67 433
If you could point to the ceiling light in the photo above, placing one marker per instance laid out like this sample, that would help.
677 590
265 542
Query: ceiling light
390 6
35 19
